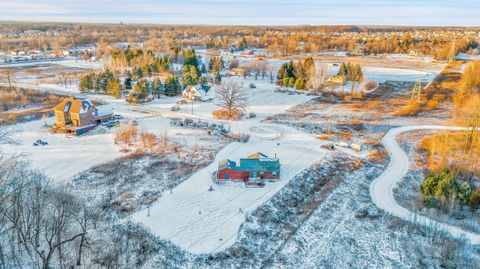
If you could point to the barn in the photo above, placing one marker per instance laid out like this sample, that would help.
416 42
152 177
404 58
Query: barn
255 168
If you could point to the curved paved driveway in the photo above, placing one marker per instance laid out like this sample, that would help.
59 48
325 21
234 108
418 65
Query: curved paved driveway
381 189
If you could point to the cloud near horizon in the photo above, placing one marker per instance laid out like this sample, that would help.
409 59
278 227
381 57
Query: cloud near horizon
248 12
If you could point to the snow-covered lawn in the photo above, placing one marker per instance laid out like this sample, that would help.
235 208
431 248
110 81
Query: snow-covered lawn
64 156
203 221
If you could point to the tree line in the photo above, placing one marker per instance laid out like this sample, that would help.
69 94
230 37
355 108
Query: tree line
300 75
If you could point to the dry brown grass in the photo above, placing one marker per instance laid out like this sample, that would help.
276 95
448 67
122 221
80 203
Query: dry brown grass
224 115
447 150
431 105
378 156
17 104
324 137
411 109
345 135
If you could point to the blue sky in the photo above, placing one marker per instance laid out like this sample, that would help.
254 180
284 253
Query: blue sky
248 12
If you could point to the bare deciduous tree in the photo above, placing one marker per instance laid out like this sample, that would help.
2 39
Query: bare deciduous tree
468 115
321 78
65 79
44 222
231 97
8 77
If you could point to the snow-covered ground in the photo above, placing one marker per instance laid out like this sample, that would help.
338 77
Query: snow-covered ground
381 189
397 74
192 217
64 156
70 62
390 73
203 221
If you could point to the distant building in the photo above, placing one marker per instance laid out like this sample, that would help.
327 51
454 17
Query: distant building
336 80
239 71
415 53
253 170
78 115
357 51
249 53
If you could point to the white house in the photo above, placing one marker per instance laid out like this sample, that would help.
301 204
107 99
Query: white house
198 93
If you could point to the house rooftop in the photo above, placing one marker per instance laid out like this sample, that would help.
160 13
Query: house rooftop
75 105
257 161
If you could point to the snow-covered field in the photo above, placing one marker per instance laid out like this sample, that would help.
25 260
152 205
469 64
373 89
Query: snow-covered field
397 74
64 156
70 62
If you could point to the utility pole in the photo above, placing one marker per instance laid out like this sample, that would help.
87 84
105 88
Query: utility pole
418 87
452 53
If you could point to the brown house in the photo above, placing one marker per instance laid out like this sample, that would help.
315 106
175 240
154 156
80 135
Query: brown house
78 115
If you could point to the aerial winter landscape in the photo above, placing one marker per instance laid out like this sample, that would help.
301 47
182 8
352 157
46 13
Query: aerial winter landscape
227 134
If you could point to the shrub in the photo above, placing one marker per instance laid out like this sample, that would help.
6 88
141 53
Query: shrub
474 201
223 115
437 185
127 135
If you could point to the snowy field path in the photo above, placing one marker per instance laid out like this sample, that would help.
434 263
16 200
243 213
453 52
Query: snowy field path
381 189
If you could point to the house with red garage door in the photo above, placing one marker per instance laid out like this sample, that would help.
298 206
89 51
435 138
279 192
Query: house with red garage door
254 170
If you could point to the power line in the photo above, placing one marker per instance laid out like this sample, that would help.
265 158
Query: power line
418 87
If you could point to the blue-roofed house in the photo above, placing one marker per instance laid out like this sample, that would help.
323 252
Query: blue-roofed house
257 167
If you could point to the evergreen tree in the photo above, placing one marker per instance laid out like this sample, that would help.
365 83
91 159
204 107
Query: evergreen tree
86 82
286 75
128 83
157 87
291 81
343 70
203 70
243 44
474 202
190 75
215 64
463 193
139 92
300 83
190 57
114 88
138 72
172 86
218 78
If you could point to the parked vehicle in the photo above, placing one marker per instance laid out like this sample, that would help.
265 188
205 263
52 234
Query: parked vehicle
181 102
254 184
111 123
40 142
175 108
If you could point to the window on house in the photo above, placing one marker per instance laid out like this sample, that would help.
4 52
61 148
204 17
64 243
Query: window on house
274 174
